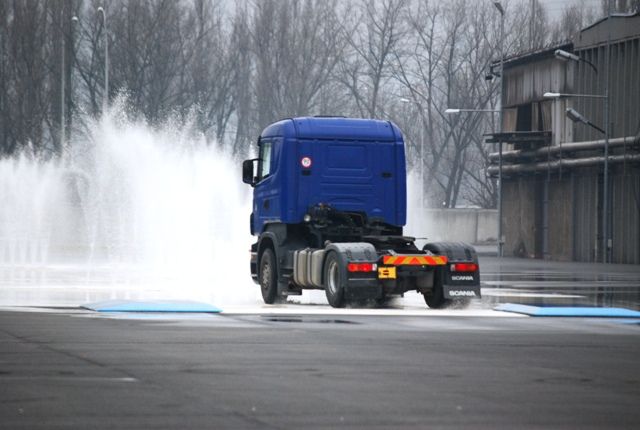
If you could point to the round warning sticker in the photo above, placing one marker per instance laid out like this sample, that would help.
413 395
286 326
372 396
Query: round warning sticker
305 162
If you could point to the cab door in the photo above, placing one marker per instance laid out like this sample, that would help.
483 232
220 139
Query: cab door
266 195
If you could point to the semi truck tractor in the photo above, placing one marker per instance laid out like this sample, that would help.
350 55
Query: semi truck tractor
329 207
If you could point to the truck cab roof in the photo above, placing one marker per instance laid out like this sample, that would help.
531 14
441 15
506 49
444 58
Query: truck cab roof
334 128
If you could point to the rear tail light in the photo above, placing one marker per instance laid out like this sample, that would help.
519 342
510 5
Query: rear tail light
362 267
464 267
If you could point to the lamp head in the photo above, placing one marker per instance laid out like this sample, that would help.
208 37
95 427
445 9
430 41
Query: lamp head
575 116
565 56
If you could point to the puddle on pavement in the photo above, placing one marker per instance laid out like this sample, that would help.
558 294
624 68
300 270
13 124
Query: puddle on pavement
562 289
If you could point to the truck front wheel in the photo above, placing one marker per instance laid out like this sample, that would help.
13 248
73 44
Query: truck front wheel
268 276
335 278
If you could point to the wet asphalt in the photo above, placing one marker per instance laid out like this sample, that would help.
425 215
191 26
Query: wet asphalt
553 283
63 367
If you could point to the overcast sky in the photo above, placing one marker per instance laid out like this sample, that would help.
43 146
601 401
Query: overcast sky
555 7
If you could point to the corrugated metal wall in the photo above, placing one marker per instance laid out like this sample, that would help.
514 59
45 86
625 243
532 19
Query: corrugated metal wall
572 201
625 215
520 201
574 215
528 82
586 237
561 214
624 90
624 121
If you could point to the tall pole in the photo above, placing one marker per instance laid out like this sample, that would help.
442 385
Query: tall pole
70 39
498 6
62 91
421 163
105 96
531 23
605 182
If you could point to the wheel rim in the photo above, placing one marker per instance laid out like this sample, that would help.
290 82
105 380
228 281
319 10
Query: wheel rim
332 283
266 275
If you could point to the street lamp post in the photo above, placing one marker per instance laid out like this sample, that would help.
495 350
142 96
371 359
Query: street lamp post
63 118
574 116
74 21
105 97
559 95
498 6
457 110
62 91
563 55
605 182
568 56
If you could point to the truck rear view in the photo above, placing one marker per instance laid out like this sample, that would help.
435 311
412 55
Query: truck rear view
329 207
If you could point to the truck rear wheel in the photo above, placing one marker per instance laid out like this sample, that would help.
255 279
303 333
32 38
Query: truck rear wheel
435 298
268 276
335 279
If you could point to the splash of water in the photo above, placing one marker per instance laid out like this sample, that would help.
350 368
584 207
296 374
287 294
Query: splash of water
131 211
129 204
418 225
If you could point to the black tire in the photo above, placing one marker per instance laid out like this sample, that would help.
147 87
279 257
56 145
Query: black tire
460 303
268 276
335 279
435 298
383 302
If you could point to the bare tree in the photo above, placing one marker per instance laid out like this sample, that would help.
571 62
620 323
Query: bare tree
620 6
240 46
207 84
235 71
27 76
375 36
296 47
4 77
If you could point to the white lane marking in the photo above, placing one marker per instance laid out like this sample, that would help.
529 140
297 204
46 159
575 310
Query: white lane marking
326 310
513 293
70 378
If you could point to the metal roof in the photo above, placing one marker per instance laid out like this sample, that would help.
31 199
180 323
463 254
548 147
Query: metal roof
625 26
535 55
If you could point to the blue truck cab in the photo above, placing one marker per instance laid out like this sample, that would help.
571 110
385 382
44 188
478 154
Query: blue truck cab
355 165
329 206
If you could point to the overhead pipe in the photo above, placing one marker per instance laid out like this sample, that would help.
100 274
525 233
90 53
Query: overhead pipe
562 163
564 147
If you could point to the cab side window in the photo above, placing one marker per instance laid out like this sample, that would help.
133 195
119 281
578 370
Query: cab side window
265 159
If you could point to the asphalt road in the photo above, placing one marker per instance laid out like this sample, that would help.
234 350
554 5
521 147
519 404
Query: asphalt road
73 369
306 365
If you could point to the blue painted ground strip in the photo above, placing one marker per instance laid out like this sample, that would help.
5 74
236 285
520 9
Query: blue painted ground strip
151 306
561 311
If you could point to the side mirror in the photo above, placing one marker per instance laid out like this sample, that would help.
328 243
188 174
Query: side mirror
248 168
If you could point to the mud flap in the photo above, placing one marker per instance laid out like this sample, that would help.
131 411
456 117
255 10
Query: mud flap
458 285
461 291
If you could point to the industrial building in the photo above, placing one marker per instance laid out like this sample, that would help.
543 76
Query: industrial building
554 201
